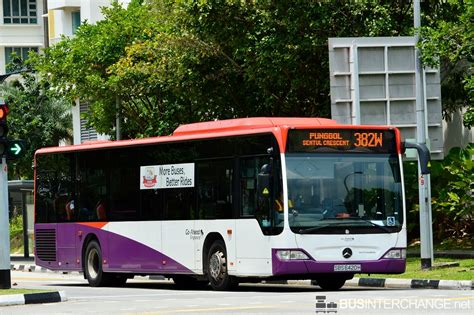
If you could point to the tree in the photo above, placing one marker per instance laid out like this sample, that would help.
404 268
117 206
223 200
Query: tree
173 62
449 42
78 67
226 59
36 116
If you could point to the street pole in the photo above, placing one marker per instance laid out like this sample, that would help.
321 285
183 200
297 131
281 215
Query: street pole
118 133
5 278
424 183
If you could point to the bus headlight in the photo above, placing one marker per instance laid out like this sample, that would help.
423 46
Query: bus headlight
399 253
291 255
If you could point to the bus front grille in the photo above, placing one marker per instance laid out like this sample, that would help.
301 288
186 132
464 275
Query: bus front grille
46 244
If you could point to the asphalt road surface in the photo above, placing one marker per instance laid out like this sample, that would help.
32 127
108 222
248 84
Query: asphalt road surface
143 296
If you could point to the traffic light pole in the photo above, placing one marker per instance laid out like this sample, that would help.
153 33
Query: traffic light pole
424 186
5 277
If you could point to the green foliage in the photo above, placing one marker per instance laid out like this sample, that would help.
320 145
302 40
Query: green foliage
79 66
449 41
452 186
173 62
35 116
16 227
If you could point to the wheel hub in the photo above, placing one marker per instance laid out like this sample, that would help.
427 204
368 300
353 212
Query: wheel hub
93 263
217 265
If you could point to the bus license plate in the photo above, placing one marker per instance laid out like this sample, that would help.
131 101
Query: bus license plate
347 267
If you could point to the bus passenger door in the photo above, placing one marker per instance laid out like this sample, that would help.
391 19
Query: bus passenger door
253 247
177 225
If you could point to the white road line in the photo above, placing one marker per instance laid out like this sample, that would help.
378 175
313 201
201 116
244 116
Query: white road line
128 295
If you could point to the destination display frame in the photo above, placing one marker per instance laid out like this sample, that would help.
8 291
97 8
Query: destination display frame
342 140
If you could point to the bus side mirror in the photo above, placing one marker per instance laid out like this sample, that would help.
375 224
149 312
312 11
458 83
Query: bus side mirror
263 182
423 155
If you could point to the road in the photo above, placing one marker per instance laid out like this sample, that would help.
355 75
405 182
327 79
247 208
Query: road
143 296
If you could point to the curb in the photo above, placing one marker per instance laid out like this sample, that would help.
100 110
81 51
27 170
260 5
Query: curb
395 283
33 298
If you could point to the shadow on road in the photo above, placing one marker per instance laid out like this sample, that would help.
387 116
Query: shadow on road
244 287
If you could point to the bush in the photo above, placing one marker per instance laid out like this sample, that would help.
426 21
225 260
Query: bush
452 186
16 227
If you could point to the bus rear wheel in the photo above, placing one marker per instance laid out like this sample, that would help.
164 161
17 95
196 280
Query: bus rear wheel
329 284
93 268
217 271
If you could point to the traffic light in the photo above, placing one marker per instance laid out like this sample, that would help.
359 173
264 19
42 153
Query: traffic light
11 149
3 128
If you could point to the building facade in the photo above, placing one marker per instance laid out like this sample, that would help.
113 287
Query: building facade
21 29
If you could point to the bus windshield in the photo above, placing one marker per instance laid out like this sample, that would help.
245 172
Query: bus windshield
331 193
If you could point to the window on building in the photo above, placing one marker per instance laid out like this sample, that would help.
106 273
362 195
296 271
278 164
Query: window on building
20 12
20 52
76 20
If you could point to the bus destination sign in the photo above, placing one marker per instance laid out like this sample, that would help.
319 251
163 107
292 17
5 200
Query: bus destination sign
340 140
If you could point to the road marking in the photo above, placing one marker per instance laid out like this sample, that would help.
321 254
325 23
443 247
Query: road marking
95 297
219 309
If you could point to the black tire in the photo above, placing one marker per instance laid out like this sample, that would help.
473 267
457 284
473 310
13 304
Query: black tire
93 268
217 268
328 284
189 282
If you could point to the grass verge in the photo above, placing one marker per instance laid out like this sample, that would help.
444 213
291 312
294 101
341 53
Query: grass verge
465 271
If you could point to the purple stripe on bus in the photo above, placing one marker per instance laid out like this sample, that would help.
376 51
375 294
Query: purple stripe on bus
294 267
120 253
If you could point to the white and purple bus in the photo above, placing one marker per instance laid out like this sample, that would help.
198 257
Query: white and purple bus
224 202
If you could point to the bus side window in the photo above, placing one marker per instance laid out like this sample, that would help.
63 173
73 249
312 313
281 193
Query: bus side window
249 168
214 187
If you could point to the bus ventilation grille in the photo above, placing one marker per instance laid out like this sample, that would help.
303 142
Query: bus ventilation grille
46 244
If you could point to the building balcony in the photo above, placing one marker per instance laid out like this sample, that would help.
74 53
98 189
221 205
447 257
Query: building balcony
63 4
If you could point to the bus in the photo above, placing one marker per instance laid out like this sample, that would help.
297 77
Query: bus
223 202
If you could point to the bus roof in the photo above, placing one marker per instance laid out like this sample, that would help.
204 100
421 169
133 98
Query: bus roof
208 129
249 123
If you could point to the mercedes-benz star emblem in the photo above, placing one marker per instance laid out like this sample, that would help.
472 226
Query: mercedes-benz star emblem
346 253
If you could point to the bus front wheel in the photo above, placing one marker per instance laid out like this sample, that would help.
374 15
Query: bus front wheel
93 268
217 271
329 284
